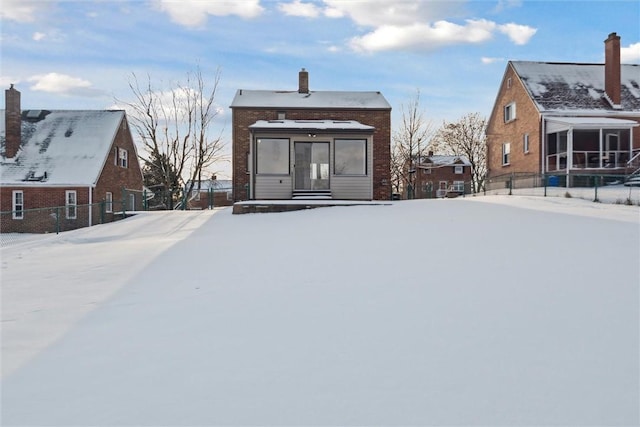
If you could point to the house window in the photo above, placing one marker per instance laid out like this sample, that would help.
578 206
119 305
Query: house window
458 169
18 204
108 199
282 115
123 157
458 186
272 156
509 112
427 171
71 202
506 152
509 83
350 157
525 143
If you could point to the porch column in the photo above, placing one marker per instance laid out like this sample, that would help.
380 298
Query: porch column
601 146
250 163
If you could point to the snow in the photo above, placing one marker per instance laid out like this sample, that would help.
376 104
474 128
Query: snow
313 99
496 310
311 124
64 148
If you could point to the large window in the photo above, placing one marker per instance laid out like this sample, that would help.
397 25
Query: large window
506 153
350 157
272 156
18 204
71 204
509 112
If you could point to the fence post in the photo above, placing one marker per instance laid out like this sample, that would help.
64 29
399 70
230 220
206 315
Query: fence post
511 185
595 186
103 211
544 182
58 220
144 199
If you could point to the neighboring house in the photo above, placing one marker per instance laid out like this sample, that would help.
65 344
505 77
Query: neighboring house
566 119
210 193
441 176
68 159
301 144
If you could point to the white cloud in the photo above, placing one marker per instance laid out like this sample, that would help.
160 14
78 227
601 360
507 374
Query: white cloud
194 13
424 36
377 13
519 34
630 54
37 36
298 8
506 4
19 10
62 84
487 60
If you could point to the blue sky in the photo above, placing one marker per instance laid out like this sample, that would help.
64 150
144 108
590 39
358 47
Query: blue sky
79 54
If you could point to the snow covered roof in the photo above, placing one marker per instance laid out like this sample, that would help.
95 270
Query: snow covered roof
312 99
60 147
440 160
576 87
216 184
334 125
556 124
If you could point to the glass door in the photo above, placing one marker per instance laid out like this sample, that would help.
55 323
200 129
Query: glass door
312 166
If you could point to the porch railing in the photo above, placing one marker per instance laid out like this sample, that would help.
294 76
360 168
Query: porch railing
612 159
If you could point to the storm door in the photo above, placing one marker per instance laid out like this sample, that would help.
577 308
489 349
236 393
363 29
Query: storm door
311 166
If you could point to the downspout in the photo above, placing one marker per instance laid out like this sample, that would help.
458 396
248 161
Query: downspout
250 167
90 206
600 153
543 146
569 155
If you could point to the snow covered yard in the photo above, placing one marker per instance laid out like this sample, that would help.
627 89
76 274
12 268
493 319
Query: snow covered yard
475 311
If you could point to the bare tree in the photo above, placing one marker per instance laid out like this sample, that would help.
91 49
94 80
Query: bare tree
175 125
466 137
409 143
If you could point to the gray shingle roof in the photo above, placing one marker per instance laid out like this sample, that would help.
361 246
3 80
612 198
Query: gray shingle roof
576 87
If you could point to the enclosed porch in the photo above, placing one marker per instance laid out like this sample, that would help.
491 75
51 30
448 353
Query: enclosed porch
588 144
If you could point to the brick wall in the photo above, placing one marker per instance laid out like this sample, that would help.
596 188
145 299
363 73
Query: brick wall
527 121
380 119
445 173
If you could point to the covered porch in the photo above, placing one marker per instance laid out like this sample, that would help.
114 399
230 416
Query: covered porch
588 144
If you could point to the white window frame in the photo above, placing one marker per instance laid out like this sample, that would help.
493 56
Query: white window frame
17 207
510 112
108 198
458 186
132 202
71 206
458 170
123 158
525 143
506 153
509 83
342 148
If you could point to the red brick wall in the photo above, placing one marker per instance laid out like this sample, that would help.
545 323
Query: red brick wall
380 119
219 199
527 121
446 173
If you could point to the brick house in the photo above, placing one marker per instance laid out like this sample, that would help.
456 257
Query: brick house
437 176
299 144
210 193
68 159
565 119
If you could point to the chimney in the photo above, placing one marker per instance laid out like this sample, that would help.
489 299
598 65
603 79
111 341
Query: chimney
612 70
12 122
303 81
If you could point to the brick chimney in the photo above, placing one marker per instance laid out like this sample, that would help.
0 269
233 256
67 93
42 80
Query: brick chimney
303 81
12 122
612 70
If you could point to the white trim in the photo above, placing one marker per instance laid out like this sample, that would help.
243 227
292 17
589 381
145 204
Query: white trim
68 206
108 197
14 205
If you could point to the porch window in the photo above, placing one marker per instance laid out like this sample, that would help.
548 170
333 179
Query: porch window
509 112
506 153
350 157
71 202
272 156
18 204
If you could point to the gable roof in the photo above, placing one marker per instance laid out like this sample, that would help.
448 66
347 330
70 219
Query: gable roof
576 87
60 147
310 100
442 160
218 185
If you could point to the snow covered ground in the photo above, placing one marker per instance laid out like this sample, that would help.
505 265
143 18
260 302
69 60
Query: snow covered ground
478 311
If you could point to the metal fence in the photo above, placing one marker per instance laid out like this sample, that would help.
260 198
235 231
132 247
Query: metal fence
597 188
